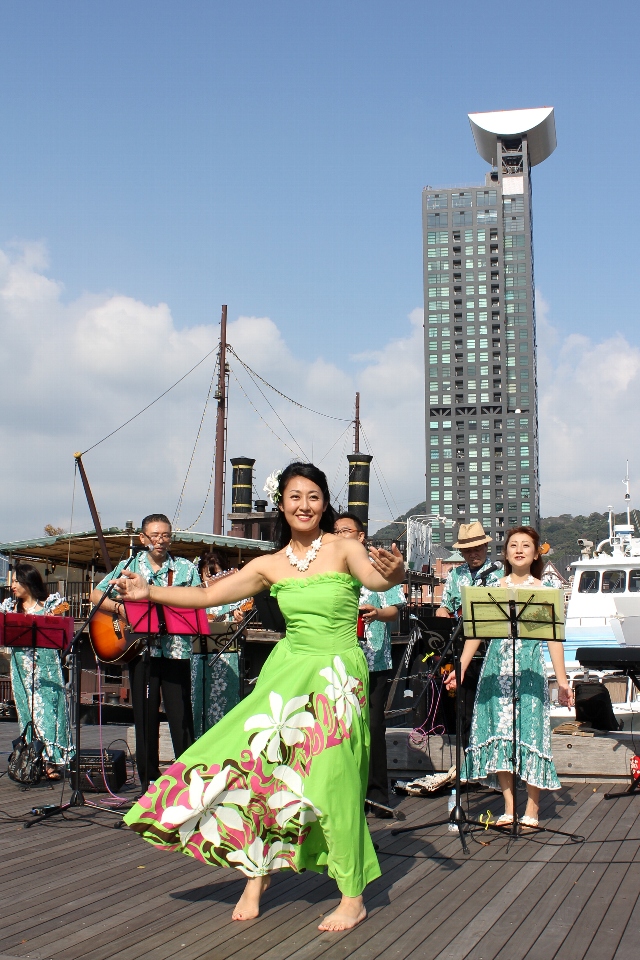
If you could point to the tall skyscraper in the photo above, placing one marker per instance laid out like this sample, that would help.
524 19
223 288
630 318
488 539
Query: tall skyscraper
480 333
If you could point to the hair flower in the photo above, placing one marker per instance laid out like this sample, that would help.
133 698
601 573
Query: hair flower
272 487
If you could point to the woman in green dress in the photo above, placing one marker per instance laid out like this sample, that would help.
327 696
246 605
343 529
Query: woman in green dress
36 675
280 781
488 756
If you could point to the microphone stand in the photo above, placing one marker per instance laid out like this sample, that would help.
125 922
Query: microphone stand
77 798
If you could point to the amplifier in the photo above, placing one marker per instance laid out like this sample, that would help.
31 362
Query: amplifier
115 770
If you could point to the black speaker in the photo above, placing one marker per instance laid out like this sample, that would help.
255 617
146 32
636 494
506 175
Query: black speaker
115 770
593 705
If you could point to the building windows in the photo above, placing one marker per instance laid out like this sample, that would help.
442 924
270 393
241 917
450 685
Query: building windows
437 219
486 216
462 199
437 201
460 218
486 198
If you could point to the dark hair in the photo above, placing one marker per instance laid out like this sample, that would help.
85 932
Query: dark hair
30 578
355 520
282 530
154 518
210 559
538 565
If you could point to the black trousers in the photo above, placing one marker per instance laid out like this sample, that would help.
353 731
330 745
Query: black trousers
149 676
378 786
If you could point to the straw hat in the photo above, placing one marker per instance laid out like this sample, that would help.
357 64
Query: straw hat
471 535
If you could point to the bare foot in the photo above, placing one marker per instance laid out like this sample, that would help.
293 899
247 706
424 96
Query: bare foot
248 906
350 913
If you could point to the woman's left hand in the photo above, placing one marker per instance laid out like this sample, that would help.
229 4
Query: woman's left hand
388 563
565 695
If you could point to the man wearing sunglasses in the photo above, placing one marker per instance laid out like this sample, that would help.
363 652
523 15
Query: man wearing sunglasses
167 668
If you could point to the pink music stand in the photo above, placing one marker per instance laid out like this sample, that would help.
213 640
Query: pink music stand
25 630
145 618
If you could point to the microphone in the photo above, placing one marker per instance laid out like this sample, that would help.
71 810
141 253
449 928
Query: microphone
141 548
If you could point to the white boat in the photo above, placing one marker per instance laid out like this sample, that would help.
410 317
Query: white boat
604 611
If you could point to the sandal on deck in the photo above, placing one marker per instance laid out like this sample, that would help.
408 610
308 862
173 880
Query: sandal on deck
528 824
506 820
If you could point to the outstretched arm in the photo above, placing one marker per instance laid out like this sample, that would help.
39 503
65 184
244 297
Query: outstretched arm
384 570
238 586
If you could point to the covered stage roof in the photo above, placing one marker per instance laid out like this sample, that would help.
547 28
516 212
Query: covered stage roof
83 550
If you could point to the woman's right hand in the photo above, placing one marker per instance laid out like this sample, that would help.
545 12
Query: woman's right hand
131 586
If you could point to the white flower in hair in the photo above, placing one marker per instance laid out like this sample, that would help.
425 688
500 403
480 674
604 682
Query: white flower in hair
271 487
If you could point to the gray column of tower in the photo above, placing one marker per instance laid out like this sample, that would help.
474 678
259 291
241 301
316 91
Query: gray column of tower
480 343
242 484
358 502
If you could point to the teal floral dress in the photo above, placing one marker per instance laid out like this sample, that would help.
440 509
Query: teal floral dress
216 682
490 744
36 679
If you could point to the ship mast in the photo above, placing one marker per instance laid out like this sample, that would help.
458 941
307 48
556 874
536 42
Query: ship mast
221 422
627 496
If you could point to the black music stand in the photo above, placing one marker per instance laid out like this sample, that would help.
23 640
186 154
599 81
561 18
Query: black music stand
490 612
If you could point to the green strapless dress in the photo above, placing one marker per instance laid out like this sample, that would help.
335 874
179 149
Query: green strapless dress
280 781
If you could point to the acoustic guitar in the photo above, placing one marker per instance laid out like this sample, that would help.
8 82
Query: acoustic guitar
111 640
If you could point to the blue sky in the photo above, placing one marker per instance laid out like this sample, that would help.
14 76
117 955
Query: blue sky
272 155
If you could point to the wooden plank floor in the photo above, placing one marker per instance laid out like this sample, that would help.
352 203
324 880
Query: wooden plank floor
80 888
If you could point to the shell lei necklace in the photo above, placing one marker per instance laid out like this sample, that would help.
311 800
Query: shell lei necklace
311 554
527 582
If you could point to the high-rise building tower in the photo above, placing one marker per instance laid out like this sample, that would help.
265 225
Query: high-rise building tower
480 334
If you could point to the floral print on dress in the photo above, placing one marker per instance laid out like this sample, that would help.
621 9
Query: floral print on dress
376 645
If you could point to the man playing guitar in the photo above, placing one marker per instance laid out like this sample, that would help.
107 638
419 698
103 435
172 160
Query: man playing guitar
168 666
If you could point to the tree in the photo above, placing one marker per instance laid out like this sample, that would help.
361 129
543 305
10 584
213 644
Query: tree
52 531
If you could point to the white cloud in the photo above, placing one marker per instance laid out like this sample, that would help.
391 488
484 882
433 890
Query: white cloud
588 395
75 371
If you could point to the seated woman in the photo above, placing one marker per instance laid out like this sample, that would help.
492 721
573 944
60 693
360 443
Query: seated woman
219 688
36 675
488 756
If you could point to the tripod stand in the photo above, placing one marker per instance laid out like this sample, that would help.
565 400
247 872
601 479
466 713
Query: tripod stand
457 815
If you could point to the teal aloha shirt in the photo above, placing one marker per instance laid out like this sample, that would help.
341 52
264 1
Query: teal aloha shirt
376 645
461 577
185 574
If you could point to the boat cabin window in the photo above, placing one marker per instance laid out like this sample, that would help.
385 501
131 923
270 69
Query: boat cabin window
613 581
589 581
634 581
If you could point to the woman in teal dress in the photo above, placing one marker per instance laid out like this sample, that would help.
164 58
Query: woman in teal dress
280 781
36 675
488 756
215 680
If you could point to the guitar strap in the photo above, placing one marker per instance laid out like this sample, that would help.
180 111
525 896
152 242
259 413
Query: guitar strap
159 607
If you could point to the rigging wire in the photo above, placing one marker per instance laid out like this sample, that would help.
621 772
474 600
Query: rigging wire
248 398
280 393
340 465
140 412
398 510
318 462
267 401
176 514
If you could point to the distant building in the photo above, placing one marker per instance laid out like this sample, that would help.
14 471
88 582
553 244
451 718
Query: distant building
480 336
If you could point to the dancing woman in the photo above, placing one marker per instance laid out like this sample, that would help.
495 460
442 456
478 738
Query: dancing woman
488 756
280 781
36 675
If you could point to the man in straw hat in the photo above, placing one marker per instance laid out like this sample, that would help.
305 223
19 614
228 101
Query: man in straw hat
477 571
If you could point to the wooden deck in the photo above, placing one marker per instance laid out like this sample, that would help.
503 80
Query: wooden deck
78 889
